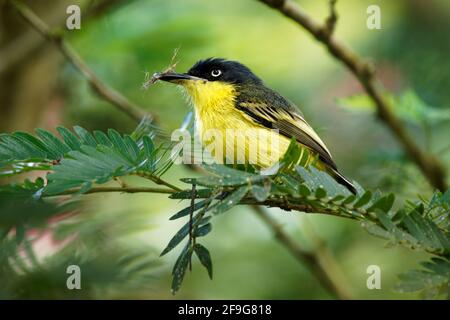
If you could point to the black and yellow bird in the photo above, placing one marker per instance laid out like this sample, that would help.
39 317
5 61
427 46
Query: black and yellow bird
227 95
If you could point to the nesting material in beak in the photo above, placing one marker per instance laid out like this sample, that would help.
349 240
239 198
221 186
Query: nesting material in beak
169 76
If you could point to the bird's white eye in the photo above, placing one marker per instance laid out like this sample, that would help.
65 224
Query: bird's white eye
216 72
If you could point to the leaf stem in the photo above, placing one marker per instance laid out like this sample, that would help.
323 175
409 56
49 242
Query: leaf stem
157 180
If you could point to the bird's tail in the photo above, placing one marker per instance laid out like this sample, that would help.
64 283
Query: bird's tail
343 180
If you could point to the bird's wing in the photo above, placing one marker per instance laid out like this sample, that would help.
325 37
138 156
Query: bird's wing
271 110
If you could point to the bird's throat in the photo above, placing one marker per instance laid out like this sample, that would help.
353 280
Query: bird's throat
209 97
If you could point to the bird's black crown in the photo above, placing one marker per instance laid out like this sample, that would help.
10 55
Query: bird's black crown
217 69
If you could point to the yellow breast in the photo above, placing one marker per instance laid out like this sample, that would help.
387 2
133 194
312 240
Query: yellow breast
226 132
213 102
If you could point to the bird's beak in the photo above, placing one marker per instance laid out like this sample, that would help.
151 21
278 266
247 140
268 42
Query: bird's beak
177 77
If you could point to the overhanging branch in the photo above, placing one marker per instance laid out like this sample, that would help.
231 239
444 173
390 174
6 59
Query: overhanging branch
430 166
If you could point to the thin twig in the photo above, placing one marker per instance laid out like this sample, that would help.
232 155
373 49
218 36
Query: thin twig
115 189
364 72
105 91
309 259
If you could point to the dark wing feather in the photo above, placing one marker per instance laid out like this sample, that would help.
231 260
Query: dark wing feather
271 110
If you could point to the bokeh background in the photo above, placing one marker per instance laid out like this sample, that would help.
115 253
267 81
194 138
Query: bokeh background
122 40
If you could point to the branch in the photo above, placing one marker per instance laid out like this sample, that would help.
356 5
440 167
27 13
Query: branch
365 73
101 88
310 259
282 203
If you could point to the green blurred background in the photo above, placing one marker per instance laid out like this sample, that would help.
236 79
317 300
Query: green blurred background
121 40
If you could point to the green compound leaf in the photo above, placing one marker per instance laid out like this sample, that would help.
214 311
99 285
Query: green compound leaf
77 159
183 232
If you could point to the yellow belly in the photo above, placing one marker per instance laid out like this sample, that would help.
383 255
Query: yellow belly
235 140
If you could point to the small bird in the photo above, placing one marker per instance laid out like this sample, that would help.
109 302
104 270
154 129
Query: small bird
227 95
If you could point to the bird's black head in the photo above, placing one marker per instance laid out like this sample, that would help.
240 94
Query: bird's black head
217 69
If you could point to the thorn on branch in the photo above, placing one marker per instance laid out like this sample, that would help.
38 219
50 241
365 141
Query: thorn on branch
120 182
330 22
